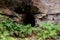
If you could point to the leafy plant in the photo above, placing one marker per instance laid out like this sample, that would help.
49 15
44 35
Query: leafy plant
15 28
46 30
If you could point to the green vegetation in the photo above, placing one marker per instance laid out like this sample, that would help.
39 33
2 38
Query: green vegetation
47 30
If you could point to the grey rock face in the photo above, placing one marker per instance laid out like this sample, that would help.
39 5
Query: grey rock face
48 6
50 10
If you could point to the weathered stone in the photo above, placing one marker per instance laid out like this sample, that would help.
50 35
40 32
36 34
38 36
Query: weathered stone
54 18
40 19
49 10
48 6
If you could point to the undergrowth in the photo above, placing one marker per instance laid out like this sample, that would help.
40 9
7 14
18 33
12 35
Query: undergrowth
45 31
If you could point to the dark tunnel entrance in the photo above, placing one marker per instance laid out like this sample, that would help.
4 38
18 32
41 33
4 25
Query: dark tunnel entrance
29 19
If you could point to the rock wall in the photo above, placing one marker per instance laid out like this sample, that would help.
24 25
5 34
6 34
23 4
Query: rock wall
20 10
37 10
49 10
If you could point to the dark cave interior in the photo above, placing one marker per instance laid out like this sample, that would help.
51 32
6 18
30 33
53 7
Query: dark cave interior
29 19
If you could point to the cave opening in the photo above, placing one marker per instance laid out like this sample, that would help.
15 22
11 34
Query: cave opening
29 18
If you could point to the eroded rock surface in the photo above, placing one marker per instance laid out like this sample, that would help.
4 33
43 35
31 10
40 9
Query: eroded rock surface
50 10
48 6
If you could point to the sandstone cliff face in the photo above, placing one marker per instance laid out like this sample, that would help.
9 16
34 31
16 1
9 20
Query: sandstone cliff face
48 6
50 10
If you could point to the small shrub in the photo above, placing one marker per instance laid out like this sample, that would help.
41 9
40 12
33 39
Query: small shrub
46 30
15 28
